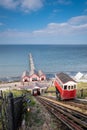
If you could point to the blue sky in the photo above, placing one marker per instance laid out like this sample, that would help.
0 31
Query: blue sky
43 22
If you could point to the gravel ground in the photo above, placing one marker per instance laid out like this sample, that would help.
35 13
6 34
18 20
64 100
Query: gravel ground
40 119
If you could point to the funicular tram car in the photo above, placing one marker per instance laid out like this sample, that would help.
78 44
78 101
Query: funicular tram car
65 87
36 91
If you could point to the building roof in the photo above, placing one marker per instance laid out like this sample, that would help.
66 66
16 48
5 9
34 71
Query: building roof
40 73
25 73
64 77
33 72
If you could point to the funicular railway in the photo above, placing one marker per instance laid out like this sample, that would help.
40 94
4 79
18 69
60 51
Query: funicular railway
73 119
74 103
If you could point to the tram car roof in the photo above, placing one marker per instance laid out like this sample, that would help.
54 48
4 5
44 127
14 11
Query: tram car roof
64 78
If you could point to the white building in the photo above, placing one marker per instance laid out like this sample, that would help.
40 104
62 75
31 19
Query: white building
33 74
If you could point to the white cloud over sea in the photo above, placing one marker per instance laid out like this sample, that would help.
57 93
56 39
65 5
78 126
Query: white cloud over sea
72 26
75 29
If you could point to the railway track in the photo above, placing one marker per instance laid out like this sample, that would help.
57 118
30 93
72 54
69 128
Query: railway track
81 105
75 104
71 118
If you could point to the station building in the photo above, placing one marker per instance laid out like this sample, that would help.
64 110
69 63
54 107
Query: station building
32 74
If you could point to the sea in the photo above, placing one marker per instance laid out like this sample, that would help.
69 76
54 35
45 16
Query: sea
51 59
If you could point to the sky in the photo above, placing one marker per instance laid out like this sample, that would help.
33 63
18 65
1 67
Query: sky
43 22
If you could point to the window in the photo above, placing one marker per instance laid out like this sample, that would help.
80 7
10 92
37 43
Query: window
42 78
69 87
65 86
34 79
74 86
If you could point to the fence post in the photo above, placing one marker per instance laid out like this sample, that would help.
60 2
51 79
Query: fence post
3 126
11 123
81 92
1 94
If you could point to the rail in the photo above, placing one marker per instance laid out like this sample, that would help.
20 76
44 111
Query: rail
71 118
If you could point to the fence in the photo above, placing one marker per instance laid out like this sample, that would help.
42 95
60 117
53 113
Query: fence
11 111
82 93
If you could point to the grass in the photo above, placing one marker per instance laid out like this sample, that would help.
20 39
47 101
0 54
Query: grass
81 85
52 88
33 117
16 93
32 103
82 90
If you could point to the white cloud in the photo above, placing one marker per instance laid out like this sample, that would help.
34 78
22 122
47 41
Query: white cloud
74 29
25 5
78 20
14 34
75 25
31 5
10 4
